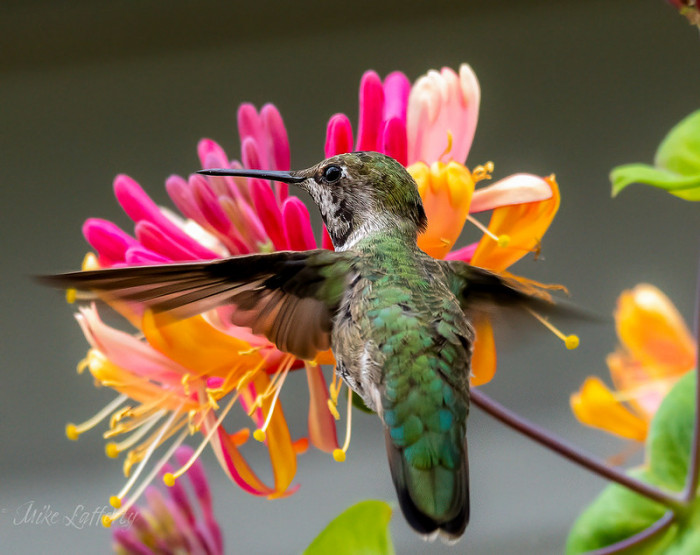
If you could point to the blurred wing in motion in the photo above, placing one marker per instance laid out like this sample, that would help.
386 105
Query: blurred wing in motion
290 297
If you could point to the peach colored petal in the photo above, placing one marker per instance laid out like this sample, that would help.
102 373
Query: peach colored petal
484 354
519 188
653 331
524 224
595 405
322 432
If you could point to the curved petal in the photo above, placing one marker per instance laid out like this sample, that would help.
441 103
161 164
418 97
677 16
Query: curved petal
518 188
595 405
484 354
338 135
654 332
371 109
524 224
322 432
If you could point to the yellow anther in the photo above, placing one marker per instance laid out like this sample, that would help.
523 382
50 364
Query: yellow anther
482 172
169 479
112 450
72 432
503 240
115 501
106 521
71 296
571 341
333 410
339 455
259 435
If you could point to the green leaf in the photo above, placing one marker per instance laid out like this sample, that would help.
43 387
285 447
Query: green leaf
615 515
676 164
362 529
671 434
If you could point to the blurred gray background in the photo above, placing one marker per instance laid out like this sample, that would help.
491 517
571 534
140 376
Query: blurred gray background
92 89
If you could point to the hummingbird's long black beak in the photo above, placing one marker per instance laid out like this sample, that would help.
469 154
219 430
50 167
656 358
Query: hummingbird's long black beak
284 177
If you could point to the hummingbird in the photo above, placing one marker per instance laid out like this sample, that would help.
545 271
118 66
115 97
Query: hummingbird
397 320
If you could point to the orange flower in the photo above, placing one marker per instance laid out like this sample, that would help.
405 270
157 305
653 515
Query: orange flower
657 349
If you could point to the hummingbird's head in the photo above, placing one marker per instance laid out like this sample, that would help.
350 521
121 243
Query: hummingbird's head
362 192
358 194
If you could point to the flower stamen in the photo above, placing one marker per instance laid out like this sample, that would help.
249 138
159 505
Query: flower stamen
151 448
339 454
169 478
448 148
482 172
113 449
74 430
501 240
570 341
259 434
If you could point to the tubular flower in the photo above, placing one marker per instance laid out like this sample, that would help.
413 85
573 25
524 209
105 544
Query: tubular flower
429 127
173 523
656 350
177 378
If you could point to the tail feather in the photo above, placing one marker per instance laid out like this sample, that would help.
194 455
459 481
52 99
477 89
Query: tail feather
422 491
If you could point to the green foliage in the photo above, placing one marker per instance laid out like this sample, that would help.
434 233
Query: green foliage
619 513
362 529
676 165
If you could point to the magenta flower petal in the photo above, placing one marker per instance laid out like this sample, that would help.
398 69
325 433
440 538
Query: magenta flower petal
371 110
269 212
251 155
211 154
250 125
141 256
209 205
326 241
153 237
396 90
110 242
393 141
297 225
278 145
180 193
465 254
140 208
338 135
519 188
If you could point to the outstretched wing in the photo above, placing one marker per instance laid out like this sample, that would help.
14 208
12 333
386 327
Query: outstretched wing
478 289
289 296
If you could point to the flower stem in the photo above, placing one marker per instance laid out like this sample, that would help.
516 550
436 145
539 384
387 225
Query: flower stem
574 454
691 480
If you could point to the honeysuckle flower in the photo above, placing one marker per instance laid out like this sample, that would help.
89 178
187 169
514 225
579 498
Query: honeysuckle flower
656 350
177 521
429 127
177 378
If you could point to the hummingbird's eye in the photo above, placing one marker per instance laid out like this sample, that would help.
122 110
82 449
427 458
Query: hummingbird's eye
332 174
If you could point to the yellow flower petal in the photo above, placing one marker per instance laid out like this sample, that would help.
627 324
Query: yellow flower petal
484 354
446 190
196 344
653 331
595 405
524 224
